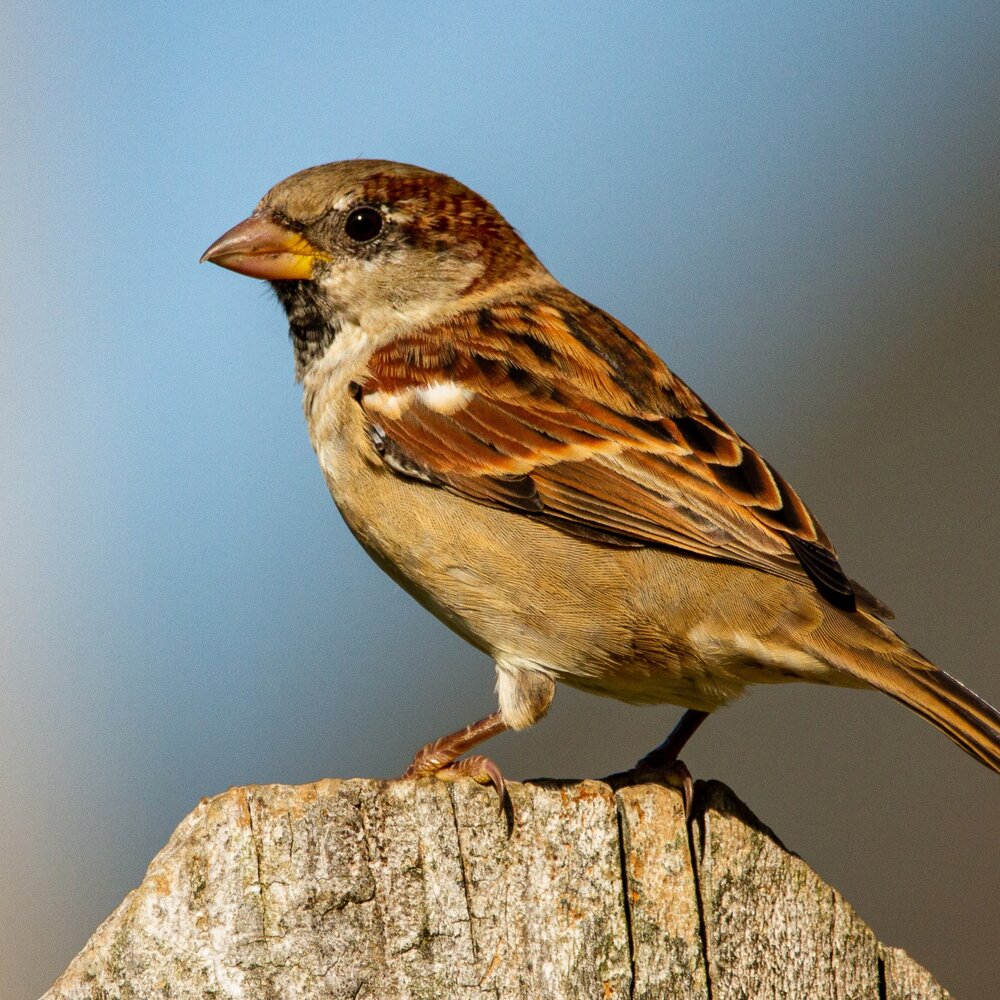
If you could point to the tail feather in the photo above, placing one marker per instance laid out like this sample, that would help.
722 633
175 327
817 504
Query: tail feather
958 712
876 655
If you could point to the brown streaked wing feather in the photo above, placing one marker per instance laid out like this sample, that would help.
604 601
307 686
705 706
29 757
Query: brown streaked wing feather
554 409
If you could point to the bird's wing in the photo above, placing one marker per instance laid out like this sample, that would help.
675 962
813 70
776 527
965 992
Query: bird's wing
549 407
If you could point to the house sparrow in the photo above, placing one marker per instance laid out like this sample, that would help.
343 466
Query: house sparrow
533 474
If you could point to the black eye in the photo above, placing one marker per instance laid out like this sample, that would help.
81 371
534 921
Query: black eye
363 224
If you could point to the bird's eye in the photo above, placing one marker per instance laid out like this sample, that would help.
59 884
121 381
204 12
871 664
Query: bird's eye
363 224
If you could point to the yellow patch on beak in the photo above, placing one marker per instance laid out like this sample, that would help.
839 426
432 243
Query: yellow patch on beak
260 247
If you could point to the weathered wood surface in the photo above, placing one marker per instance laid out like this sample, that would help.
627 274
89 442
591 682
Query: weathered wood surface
367 889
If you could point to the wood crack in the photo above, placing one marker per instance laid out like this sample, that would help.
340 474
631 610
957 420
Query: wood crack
626 900
698 821
257 851
465 878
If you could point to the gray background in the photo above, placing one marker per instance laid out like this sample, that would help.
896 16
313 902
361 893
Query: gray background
798 210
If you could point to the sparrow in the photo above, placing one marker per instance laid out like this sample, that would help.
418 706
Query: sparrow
534 475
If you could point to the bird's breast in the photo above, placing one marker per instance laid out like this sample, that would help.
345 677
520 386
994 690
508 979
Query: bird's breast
512 587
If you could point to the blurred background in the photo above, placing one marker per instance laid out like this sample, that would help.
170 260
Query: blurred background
797 205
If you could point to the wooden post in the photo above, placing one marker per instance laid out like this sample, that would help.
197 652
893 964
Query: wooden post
376 890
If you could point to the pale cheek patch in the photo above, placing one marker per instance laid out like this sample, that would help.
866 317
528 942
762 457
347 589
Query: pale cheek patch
445 397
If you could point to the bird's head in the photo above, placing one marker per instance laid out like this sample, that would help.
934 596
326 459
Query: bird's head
371 243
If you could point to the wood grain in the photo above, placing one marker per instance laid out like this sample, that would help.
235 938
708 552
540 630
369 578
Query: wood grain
371 889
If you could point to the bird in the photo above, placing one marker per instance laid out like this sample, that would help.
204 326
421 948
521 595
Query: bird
533 474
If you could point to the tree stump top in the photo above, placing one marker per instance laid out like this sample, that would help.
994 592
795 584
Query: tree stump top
371 889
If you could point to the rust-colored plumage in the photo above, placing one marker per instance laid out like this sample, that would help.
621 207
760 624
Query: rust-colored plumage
529 470
567 416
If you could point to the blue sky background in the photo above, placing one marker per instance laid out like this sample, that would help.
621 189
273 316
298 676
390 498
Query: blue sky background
797 205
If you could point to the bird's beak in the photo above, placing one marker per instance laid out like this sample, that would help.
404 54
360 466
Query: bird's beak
260 247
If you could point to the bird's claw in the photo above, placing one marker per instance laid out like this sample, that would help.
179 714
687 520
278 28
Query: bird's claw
674 773
480 769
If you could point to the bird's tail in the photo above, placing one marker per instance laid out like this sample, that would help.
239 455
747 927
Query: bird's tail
884 661
944 702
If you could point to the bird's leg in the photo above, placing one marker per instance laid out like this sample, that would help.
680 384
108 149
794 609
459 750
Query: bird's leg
663 760
666 754
440 758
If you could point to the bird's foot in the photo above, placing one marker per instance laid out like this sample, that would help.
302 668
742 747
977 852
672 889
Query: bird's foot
662 763
674 773
480 769
438 760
